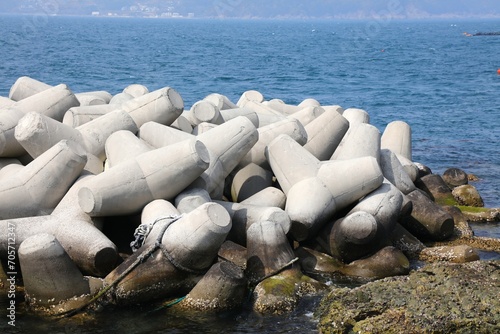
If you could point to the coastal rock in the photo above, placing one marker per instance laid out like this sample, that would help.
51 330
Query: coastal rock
407 304
455 177
468 195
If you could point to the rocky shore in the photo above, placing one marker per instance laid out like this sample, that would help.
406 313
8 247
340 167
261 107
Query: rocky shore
130 199
437 298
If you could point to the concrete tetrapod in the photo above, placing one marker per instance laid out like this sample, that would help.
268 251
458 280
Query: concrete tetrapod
77 233
227 144
250 180
288 126
361 140
5 102
351 237
397 138
123 145
49 275
163 106
270 196
270 268
159 174
307 115
25 87
220 101
245 215
325 133
316 190
190 199
53 102
189 246
204 111
355 236
37 133
155 216
77 116
38 187
428 221
136 90
394 171
223 287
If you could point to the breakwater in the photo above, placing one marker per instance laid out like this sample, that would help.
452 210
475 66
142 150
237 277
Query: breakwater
235 198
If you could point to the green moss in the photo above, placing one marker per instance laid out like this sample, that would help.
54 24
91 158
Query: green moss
447 200
279 285
472 209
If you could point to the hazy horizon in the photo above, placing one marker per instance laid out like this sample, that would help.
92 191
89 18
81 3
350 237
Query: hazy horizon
336 9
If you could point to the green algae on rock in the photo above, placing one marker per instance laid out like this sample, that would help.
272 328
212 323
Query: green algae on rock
437 298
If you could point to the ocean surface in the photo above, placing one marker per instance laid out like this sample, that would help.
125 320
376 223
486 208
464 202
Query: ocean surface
426 73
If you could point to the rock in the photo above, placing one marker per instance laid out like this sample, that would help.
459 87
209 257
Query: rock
409 304
468 195
455 177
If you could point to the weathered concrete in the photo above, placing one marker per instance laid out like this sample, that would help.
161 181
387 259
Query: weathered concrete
25 87
250 95
53 102
220 101
190 199
468 195
91 99
394 172
315 191
37 188
163 106
352 237
266 135
428 221
86 245
98 130
136 90
362 140
123 145
270 196
250 180
49 275
77 116
120 98
190 248
308 114
204 111
245 215
223 287
227 144
37 133
159 135
397 138
159 174
325 133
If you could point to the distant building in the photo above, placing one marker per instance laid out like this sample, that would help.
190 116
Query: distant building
95 13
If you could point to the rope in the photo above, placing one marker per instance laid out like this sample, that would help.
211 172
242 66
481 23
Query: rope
140 259
167 305
142 232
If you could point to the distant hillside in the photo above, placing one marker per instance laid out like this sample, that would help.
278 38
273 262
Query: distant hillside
261 8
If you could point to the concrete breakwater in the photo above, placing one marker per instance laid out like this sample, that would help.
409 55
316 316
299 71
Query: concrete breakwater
229 199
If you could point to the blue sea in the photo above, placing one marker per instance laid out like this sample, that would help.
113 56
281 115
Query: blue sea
426 73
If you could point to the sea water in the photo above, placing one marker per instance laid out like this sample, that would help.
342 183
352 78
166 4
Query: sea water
426 73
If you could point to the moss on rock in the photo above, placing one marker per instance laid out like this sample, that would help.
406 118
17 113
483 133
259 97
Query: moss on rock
438 298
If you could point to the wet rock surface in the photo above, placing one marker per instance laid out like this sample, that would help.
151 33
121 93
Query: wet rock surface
437 298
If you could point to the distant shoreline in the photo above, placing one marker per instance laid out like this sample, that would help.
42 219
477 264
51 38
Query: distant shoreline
278 18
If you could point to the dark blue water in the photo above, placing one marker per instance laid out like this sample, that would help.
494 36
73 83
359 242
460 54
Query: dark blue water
445 85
